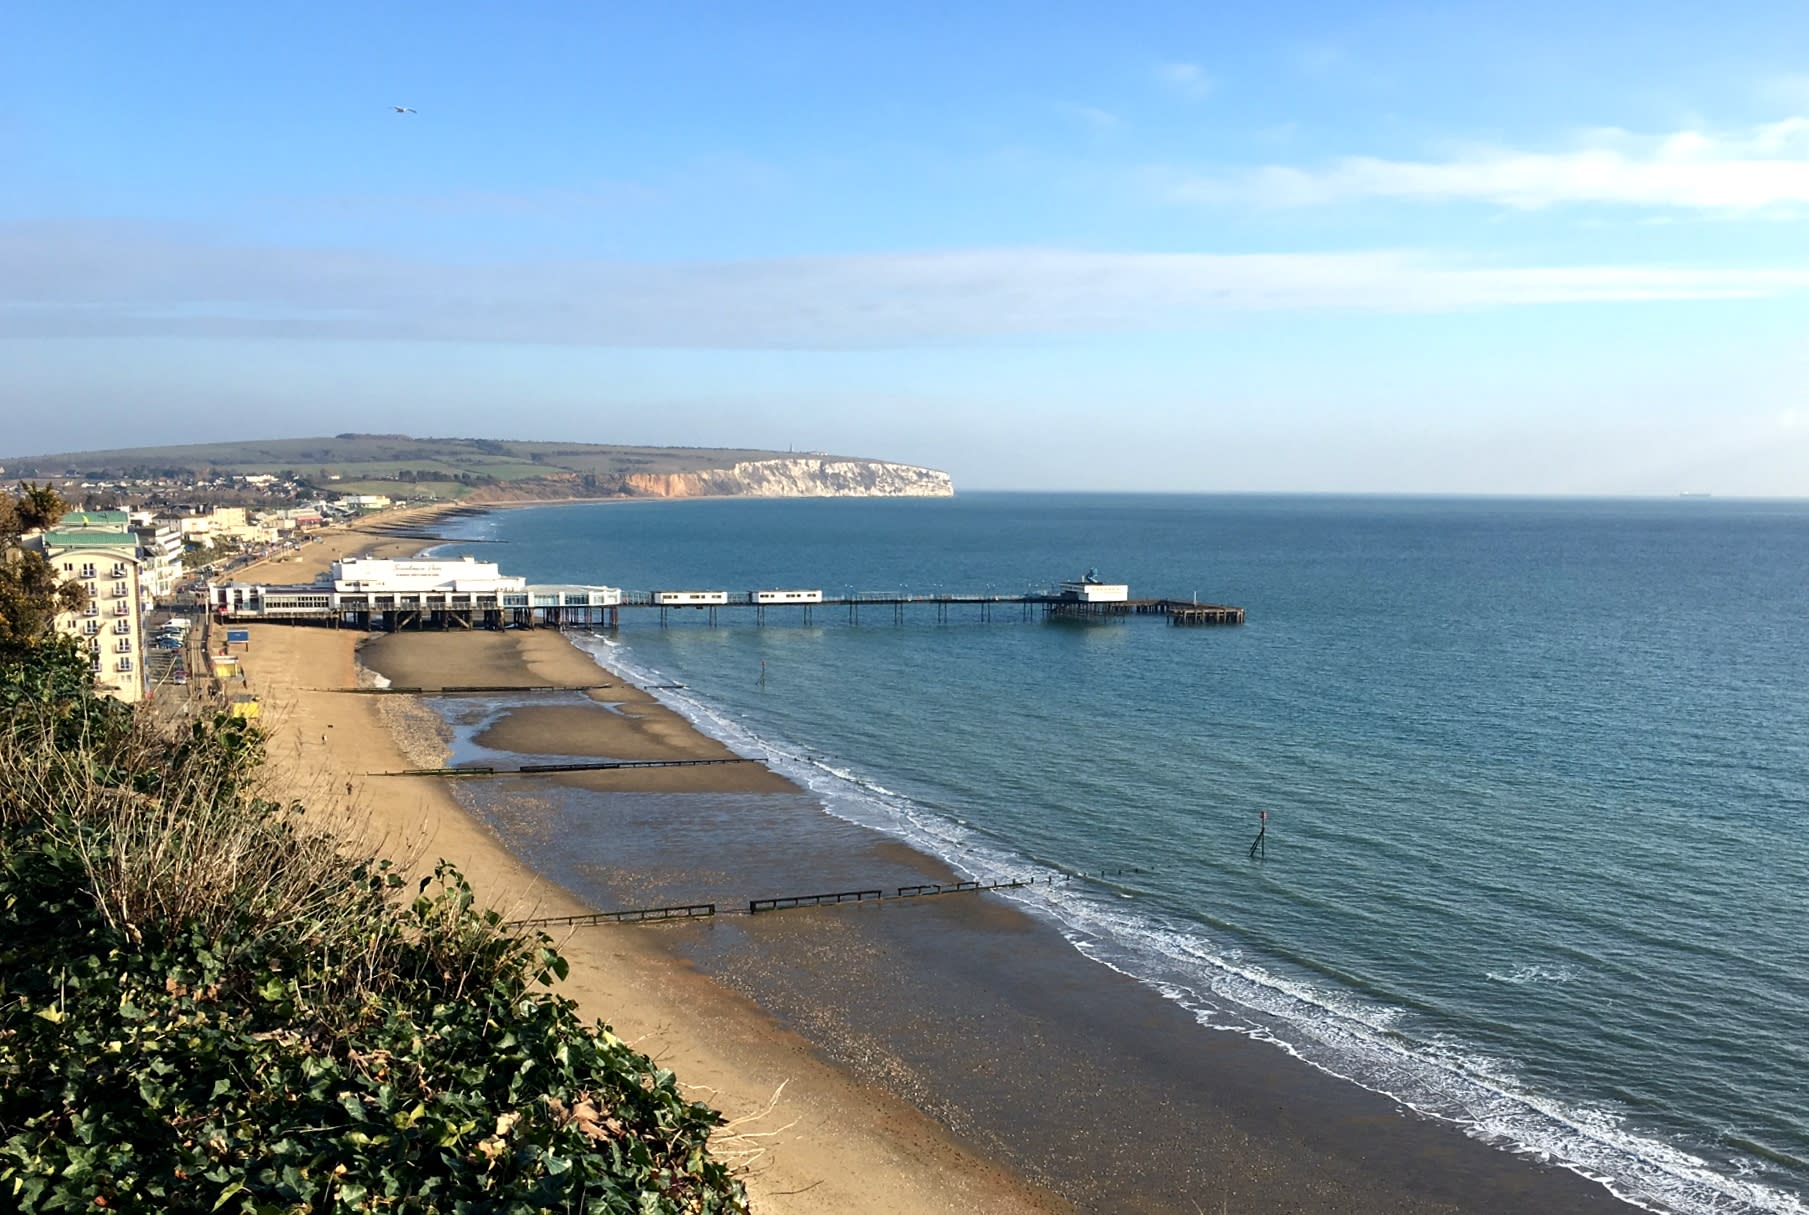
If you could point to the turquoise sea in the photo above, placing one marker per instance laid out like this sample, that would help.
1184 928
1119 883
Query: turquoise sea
1537 775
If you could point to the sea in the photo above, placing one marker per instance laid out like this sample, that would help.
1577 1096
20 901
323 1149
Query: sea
1535 774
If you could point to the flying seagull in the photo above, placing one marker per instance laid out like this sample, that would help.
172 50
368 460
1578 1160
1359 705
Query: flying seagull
401 109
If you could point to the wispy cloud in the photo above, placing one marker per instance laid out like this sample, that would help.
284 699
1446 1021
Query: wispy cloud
82 280
1091 117
1790 91
1728 171
1188 80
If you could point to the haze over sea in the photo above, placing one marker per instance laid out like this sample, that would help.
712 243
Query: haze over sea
1536 773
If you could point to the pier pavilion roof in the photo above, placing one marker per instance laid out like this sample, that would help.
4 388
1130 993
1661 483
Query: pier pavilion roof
368 574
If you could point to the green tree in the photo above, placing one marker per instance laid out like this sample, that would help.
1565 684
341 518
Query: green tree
31 594
37 506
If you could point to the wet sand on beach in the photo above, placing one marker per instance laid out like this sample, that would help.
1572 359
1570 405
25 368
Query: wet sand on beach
622 722
1074 1077
827 1144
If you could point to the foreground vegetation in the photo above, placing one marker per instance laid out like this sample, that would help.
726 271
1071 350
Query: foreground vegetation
207 1004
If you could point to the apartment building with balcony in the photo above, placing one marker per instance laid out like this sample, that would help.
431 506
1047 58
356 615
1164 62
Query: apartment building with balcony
98 549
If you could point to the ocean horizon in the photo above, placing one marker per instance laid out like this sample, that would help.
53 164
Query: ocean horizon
1534 772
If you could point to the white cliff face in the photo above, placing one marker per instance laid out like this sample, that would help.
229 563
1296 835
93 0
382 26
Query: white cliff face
840 479
798 477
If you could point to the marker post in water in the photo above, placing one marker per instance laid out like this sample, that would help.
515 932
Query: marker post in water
1259 850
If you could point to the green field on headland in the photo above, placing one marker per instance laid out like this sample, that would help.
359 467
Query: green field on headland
384 462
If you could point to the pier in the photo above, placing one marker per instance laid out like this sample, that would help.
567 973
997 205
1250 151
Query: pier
1052 605
388 596
1178 611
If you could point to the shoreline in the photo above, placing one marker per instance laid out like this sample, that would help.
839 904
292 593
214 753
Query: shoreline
812 1139
368 536
1426 1166
1342 1145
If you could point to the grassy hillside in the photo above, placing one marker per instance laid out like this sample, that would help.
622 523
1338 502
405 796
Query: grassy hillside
370 457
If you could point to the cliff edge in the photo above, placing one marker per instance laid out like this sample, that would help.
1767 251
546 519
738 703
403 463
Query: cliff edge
796 478
787 477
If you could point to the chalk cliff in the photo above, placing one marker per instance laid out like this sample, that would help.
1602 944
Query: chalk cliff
787 477
796 478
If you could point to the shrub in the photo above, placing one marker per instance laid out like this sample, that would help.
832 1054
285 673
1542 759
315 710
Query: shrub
206 1005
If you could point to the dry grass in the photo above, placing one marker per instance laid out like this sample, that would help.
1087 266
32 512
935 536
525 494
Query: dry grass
175 832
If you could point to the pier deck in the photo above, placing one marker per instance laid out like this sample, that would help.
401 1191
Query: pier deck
386 614
384 595
1054 607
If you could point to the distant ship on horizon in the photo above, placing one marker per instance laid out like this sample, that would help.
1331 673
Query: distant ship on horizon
1694 493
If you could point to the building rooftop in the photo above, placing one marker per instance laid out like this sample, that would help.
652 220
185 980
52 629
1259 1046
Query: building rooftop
93 518
91 539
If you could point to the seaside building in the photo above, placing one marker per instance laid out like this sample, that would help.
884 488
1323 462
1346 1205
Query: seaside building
160 548
228 523
195 528
467 574
370 593
1089 589
99 549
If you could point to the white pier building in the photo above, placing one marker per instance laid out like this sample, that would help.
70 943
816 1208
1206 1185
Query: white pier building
367 593
1089 589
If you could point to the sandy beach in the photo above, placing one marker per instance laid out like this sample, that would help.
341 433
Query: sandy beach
390 534
932 1055
812 1138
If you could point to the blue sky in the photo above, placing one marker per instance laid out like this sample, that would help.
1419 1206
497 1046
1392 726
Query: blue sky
1537 248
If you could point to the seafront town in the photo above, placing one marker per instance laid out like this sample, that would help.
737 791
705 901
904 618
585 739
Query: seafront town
144 572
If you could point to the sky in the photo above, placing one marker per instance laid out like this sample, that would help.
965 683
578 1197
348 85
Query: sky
1529 247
